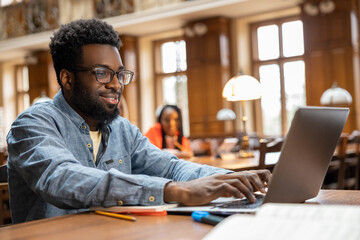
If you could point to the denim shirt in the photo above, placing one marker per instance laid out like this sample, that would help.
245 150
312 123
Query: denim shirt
51 170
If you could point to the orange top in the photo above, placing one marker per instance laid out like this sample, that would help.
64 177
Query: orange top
154 134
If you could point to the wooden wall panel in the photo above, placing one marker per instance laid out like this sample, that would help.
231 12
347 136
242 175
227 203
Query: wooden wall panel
208 61
42 76
331 53
129 56
214 103
315 77
197 100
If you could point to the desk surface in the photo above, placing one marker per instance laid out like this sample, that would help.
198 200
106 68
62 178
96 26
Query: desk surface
237 163
90 226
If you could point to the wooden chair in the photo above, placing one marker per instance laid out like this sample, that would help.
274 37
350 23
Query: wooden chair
201 147
3 156
343 171
335 176
269 146
3 173
352 161
5 216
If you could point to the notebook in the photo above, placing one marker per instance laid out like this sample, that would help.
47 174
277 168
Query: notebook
303 162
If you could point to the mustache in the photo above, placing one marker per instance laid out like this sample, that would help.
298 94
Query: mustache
112 91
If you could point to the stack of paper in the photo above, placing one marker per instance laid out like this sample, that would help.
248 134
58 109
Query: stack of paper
292 221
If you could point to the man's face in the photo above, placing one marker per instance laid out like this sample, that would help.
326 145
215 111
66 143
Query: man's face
91 99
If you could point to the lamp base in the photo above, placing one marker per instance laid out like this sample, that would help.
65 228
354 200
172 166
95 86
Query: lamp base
245 154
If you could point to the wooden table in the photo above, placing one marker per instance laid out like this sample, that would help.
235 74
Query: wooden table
237 163
90 226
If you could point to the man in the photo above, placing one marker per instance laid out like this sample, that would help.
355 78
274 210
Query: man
75 152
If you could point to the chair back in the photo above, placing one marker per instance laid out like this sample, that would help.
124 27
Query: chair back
343 171
3 173
352 161
269 146
5 216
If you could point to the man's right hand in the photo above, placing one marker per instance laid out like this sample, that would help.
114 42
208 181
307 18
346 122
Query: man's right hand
203 190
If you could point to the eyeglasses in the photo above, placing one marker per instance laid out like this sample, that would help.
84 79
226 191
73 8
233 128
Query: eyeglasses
105 75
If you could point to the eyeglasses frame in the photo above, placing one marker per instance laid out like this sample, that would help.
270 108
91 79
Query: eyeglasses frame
93 70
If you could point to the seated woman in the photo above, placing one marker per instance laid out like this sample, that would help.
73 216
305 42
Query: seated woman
167 134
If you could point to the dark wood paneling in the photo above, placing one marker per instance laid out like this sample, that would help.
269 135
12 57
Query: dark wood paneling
329 54
42 76
208 59
129 56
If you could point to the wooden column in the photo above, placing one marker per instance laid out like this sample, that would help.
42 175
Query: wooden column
129 56
42 76
208 64
331 53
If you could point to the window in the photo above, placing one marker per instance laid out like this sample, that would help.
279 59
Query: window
278 49
171 79
22 88
4 3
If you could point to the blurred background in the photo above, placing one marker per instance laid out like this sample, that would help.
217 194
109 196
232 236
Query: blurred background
183 53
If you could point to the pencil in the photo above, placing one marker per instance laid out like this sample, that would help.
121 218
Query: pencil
177 144
116 215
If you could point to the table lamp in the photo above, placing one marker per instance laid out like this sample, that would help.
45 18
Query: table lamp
42 98
336 96
242 88
225 114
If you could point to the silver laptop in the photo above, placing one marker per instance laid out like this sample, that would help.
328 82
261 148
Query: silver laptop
302 165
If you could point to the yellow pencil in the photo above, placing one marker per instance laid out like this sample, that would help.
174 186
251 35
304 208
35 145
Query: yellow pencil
179 146
116 215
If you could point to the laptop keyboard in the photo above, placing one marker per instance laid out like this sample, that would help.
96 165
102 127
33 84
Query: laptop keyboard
243 203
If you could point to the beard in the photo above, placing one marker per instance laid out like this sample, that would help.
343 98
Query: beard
89 104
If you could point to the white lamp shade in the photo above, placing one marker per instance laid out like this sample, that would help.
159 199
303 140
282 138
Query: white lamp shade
225 114
41 98
336 96
242 87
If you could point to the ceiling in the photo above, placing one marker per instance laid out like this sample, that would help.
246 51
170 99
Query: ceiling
155 21
175 16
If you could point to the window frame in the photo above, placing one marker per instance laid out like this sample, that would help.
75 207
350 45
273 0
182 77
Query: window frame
19 88
256 63
10 3
158 74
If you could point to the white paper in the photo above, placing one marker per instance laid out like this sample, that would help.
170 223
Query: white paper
292 222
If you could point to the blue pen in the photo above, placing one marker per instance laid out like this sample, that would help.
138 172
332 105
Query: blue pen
206 217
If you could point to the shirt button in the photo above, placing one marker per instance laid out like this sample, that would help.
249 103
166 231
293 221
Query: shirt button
89 145
151 198
120 202
84 126
120 161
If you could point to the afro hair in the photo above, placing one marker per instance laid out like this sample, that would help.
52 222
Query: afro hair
66 43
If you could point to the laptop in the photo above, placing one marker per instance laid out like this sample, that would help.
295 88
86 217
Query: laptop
302 165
